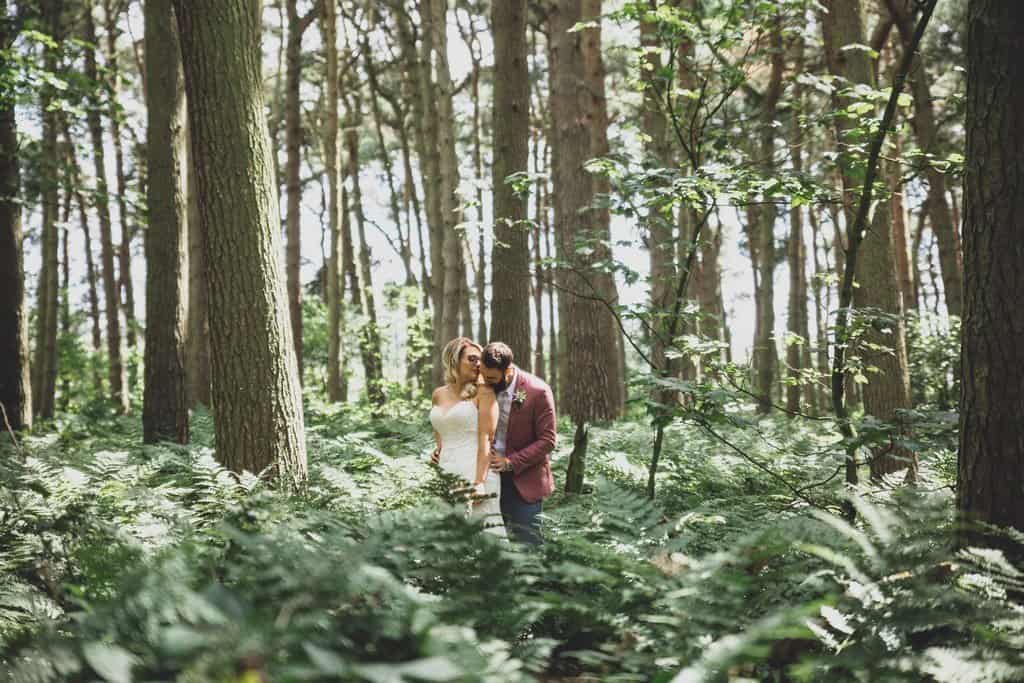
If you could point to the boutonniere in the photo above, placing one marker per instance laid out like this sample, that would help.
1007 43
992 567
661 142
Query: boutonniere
519 398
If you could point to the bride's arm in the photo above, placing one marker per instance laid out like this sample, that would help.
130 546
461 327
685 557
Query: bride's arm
487 407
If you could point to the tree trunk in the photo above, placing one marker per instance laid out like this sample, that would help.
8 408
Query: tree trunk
593 388
336 382
125 285
447 178
927 134
369 333
762 237
796 317
991 461
899 233
197 349
540 206
164 403
44 365
660 244
887 390
111 300
15 387
75 186
256 390
293 186
510 255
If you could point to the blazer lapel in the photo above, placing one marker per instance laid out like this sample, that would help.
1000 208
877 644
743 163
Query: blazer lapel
522 384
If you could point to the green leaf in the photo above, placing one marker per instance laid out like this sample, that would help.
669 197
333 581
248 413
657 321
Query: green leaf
111 662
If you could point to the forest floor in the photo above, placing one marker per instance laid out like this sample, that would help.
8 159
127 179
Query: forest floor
129 562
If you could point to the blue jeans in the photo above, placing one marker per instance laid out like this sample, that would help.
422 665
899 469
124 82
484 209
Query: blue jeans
522 519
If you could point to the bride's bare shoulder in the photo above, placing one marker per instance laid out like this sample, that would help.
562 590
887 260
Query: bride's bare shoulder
439 394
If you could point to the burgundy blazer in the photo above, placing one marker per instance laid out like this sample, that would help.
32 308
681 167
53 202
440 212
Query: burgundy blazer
531 437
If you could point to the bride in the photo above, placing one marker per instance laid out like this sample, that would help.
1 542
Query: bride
464 416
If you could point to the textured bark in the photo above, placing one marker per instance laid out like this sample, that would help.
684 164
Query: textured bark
537 239
15 387
796 318
256 390
660 245
111 299
448 177
593 388
510 255
75 185
425 126
44 363
991 461
197 348
927 135
899 233
369 332
293 186
164 402
762 234
125 285
887 390
336 382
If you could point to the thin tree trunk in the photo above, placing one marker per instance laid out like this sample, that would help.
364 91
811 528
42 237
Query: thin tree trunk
44 366
796 317
926 131
75 183
297 26
369 335
15 384
165 400
197 349
125 285
899 233
256 389
116 373
510 255
337 388
538 270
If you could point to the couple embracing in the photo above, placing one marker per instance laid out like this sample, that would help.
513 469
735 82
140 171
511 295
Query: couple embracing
494 426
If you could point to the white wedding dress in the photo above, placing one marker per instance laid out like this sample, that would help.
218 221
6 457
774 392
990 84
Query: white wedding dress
457 426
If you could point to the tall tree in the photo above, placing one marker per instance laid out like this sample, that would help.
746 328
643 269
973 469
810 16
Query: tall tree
256 390
884 342
990 472
926 130
197 345
164 403
510 253
15 387
44 364
336 388
798 345
448 175
762 228
593 382
111 300
297 26
126 287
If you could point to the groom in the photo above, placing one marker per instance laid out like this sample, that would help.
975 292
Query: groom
523 441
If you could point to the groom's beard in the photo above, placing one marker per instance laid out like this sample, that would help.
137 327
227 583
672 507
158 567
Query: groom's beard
500 386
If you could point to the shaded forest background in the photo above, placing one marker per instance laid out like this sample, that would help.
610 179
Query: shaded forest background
236 235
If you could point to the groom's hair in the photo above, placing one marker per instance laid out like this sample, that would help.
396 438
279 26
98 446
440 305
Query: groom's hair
497 355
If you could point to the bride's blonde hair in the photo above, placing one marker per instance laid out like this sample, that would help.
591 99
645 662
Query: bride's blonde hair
450 358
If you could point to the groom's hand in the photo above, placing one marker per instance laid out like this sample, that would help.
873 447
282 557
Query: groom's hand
435 457
500 463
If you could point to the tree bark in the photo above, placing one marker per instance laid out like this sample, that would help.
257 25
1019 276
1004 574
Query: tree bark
510 254
927 134
762 237
44 365
197 348
991 459
796 318
164 403
336 382
447 178
369 333
111 299
126 287
293 186
256 390
15 385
